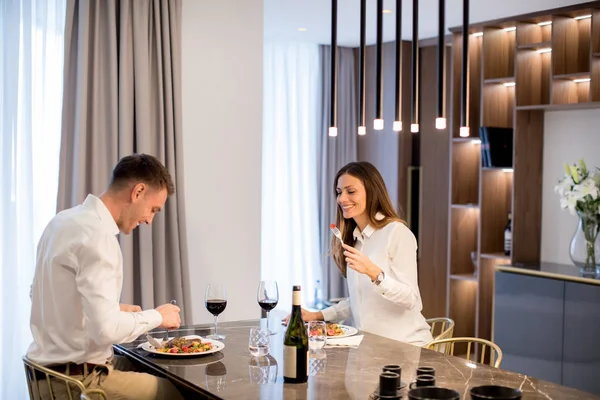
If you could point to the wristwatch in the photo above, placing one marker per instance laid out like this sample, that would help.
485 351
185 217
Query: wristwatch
379 278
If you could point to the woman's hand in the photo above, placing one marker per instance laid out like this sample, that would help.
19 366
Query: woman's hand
360 263
306 316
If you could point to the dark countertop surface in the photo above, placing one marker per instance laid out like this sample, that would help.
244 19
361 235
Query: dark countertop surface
335 373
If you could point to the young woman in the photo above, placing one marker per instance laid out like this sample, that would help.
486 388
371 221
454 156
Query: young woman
378 258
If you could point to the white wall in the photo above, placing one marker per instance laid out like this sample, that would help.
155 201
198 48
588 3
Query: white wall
222 130
568 136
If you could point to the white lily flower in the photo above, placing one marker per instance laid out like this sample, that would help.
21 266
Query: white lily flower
564 186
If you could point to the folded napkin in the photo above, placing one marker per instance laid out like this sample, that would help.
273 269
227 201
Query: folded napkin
350 341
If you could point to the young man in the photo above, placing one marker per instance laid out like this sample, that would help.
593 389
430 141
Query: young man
75 314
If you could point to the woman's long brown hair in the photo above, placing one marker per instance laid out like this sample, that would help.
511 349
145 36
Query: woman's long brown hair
378 200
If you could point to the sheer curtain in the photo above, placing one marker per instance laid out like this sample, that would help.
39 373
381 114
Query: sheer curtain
290 234
31 70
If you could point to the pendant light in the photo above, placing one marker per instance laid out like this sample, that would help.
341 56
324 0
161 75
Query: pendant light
333 94
464 124
440 121
362 129
397 126
414 126
378 123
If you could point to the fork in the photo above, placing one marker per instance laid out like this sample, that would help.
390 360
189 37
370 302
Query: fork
336 232
174 302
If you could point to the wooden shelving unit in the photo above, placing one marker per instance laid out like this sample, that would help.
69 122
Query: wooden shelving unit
550 62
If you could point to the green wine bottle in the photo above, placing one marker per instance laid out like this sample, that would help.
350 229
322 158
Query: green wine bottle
295 344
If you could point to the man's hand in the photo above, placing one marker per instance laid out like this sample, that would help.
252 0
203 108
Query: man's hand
170 316
129 308
306 316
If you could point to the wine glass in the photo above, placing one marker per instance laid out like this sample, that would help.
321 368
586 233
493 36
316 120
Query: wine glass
216 301
267 296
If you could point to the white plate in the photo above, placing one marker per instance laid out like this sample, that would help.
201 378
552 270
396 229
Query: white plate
348 331
217 346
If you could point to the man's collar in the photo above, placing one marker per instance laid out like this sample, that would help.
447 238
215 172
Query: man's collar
104 215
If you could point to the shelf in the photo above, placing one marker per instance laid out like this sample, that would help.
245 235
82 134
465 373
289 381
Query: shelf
570 45
466 159
559 107
501 256
531 33
596 55
508 79
535 46
498 53
533 78
462 206
578 75
566 91
467 139
503 169
464 277
498 106
463 240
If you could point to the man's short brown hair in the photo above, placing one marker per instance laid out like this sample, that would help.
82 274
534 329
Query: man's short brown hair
142 168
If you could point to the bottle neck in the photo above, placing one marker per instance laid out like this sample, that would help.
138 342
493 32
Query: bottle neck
296 298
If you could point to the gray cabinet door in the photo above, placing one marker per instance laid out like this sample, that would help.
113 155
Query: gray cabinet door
581 359
528 324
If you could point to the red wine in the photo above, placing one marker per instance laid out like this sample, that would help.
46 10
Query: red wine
268 305
216 306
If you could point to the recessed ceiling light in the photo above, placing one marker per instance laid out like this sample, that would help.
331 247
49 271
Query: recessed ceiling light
302 29
387 11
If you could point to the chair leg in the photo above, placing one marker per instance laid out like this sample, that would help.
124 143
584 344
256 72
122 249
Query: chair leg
27 377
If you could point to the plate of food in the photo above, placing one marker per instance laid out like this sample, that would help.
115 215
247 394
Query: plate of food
185 346
339 331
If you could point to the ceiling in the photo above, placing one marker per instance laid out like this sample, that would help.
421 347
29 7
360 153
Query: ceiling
284 17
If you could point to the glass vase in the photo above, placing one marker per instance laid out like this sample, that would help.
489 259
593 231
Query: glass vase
585 245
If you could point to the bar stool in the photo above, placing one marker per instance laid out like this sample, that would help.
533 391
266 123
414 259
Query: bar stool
33 383
446 346
441 327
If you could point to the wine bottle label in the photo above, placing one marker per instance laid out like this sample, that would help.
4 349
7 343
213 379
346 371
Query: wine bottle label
289 361
296 298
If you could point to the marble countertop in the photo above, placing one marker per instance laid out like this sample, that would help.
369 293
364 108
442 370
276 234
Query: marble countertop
335 373
550 270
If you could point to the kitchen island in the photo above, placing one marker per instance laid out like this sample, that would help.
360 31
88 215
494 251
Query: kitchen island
335 373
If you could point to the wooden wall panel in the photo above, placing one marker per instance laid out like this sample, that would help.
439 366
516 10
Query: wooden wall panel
463 239
435 157
466 158
496 203
527 199
498 105
474 86
498 53
570 45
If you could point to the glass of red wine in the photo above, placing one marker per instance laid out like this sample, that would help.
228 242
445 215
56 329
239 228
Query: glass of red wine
268 296
216 301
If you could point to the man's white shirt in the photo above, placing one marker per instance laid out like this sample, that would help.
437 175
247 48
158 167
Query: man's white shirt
75 314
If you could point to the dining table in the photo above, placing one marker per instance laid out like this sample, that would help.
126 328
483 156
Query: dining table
334 372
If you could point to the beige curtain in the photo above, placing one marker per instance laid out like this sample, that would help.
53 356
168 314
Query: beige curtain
122 95
334 153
